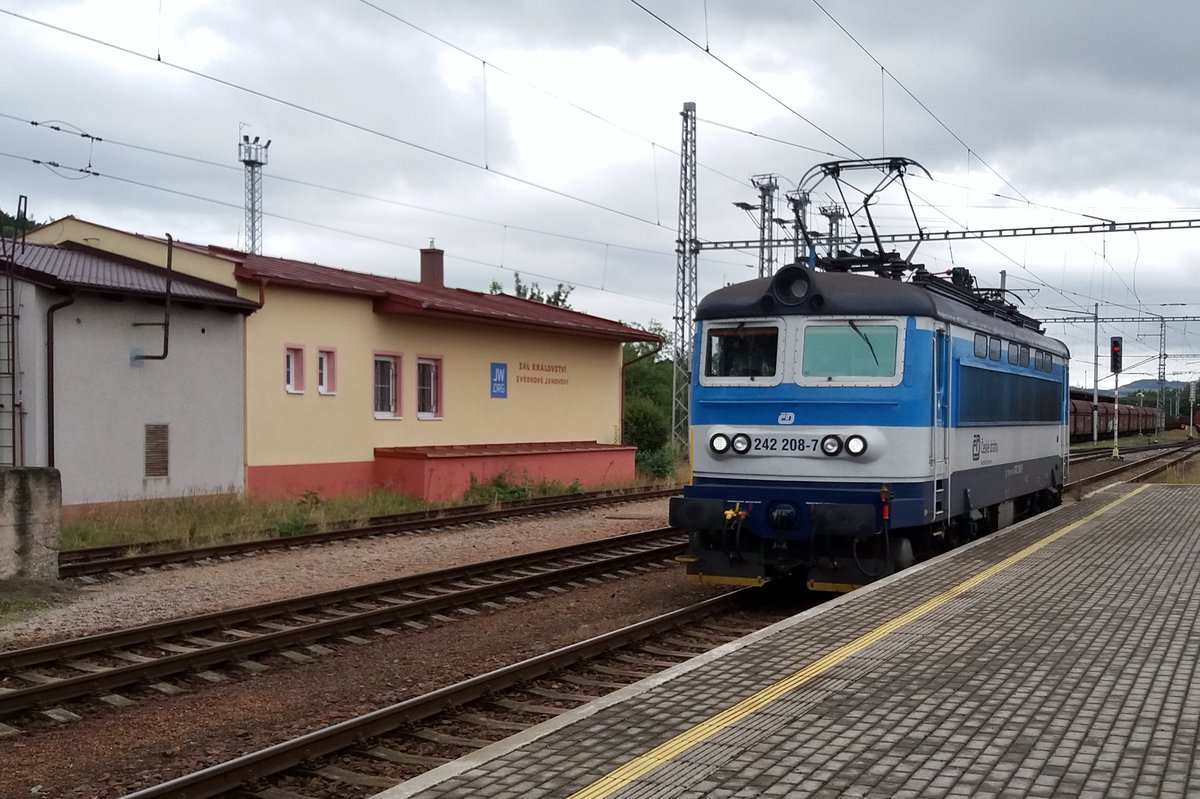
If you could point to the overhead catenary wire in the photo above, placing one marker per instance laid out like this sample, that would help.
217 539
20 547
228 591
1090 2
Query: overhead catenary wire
85 173
324 187
296 106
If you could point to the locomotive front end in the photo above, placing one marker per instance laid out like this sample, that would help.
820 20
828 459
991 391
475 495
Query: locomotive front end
809 433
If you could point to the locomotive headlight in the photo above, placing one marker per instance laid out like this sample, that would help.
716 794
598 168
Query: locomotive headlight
831 445
792 284
741 443
856 445
719 443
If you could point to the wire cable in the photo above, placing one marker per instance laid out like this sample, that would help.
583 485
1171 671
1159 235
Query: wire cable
335 119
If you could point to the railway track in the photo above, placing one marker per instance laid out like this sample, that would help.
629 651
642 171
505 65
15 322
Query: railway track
1141 468
1104 453
91 561
389 745
149 655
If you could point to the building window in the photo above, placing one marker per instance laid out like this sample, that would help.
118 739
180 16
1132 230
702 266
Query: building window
387 385
326 372
429 388
157 452
293 370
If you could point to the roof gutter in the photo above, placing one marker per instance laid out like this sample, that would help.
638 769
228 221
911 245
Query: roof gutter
166 322
50 375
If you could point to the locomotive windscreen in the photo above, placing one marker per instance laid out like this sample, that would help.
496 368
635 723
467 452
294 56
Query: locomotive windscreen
741 351
850 350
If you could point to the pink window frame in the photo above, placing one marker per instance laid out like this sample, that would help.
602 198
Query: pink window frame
439 399
296 386
397 401
331 366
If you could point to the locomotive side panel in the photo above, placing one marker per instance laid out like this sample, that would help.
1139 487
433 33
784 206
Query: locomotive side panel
1010 425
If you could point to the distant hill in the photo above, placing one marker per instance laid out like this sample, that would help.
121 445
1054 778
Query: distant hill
1149 385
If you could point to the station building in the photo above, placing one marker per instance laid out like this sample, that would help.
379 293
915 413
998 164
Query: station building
352 381
127 396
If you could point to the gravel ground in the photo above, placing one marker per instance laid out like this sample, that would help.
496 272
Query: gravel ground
281 574
110 752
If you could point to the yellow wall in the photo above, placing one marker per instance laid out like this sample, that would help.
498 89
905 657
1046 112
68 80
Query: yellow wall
583 403
147 250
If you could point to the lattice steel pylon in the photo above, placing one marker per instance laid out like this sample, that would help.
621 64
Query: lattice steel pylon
685 281
254 156
767 185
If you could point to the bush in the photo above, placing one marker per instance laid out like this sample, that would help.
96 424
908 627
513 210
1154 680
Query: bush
501 488
647 426
656 462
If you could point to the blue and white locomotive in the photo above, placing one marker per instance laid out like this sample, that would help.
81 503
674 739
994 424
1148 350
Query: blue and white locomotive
844 424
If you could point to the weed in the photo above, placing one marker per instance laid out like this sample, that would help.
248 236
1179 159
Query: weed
19 596
658 463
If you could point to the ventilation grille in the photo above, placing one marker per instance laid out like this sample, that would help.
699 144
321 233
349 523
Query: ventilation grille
156 450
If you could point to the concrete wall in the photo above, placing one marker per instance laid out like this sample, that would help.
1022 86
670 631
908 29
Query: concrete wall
30 523
103 400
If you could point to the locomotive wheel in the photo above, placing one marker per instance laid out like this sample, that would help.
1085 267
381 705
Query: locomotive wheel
901 553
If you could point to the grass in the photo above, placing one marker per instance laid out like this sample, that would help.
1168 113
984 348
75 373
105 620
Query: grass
19 596
203 520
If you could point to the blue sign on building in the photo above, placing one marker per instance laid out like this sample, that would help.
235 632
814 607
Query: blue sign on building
499 380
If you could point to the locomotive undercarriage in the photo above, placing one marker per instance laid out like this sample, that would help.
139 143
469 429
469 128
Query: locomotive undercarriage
835 557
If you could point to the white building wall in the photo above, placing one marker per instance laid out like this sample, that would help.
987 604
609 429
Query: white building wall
103 400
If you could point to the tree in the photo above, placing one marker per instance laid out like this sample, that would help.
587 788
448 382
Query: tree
649 375
648 397
558 297
9 226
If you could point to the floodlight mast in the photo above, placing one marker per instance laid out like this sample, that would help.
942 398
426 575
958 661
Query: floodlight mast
254 156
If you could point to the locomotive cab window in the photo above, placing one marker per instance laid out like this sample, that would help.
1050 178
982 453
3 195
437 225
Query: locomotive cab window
851 352
742 352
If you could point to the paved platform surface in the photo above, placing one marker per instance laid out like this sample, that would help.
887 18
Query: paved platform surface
1057 658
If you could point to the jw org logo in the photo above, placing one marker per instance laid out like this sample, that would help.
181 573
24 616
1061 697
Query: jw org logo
787 417
980 447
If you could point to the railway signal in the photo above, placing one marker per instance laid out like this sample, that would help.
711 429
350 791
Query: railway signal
1114 352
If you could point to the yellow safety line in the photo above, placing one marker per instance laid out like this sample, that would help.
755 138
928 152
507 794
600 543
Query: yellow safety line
639 767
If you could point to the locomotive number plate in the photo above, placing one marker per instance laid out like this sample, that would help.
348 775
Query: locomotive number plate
783 445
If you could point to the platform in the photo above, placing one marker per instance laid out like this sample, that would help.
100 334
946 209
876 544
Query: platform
1057 658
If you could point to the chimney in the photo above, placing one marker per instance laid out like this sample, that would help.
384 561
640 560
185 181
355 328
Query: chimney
432 273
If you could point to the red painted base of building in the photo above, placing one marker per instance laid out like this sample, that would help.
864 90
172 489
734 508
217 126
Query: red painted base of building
439 474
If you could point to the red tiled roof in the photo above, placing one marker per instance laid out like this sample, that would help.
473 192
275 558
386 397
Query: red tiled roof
409 297
73 267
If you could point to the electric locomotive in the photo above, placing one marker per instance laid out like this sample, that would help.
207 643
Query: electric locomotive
844 424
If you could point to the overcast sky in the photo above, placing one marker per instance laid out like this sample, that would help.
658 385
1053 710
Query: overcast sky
543 137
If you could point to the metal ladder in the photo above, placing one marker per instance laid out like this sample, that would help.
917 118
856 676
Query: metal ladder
10 448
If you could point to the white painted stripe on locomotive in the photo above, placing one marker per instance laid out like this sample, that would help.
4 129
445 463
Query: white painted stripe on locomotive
894 454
